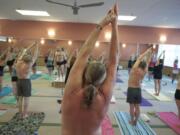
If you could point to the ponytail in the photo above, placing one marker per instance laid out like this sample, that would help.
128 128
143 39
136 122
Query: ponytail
89 93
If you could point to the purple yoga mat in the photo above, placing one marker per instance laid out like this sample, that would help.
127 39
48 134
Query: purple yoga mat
144 102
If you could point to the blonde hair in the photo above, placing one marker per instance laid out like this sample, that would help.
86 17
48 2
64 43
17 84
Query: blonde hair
94 75
27 58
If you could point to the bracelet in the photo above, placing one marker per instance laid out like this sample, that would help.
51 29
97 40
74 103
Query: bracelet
99 27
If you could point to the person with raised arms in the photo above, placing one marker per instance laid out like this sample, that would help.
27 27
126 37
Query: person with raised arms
89 86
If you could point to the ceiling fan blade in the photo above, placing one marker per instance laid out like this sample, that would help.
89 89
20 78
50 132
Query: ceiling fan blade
91 5
54 2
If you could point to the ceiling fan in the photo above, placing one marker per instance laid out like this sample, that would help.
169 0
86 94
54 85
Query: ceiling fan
76 7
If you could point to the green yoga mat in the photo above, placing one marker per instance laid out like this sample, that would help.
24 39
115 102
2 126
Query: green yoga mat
142 128
23 126
46 77
2 112
7 77
11 100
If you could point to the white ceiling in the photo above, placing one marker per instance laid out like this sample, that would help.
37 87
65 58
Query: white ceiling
154 13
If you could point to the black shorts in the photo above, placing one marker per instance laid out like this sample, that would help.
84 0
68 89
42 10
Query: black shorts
61 63
177 94
150 69
24 87
1 70
10 62
14 78
134 95
158 76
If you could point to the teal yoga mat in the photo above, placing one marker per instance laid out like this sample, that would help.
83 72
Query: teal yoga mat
5 91
142 128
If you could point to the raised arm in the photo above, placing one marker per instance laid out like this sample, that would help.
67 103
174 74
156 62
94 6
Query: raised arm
146 54
24 51
84 53
35 56
113 61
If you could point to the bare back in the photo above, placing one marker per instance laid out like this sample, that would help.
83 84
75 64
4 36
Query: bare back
80 120
23 70
135 78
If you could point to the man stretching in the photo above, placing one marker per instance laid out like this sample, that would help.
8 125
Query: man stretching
23 69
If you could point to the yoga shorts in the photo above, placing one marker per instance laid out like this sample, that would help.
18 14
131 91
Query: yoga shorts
24 87
10 62
61 63
150 69
177 94
134 95
14 78
1 70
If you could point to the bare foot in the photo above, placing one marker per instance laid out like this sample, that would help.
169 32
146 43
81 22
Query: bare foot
25 116
131 123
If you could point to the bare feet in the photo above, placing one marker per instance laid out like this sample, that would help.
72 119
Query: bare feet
25 115
133 123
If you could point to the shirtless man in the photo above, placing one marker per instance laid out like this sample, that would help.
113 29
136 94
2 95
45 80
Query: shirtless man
61 60
136 76
3 59
89 87
23 69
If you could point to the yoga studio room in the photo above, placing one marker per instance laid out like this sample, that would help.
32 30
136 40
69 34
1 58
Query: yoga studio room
89 67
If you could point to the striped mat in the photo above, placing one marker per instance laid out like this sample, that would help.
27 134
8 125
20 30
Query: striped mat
141 128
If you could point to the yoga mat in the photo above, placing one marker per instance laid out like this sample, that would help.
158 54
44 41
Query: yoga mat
141 128
5 91
35 76
118 80
23 126
171 119
6 77
106 127
144 102
46 77
2 112
11 100
113 100
161 96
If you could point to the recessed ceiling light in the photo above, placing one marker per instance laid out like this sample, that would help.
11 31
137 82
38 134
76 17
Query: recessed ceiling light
126 18
32 13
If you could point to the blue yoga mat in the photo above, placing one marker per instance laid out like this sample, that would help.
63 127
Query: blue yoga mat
5 91
35 76
142 128
144 102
